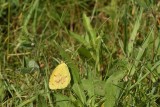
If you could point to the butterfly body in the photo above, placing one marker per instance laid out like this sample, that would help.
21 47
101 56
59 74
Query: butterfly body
60 77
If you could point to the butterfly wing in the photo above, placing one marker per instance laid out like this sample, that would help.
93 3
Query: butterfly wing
60 77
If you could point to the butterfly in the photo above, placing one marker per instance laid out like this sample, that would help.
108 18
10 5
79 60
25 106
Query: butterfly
60 77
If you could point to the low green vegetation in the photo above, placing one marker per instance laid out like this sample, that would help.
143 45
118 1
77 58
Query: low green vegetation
112 50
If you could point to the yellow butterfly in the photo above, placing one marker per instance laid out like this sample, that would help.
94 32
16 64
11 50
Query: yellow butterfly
60 77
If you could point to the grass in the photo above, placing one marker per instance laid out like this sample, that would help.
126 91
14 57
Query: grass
111 48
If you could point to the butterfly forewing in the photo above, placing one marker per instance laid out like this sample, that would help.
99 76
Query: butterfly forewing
60 77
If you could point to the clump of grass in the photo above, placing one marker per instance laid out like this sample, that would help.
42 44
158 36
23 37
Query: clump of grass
110 47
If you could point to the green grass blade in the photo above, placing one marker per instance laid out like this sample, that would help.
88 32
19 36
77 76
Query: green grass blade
71 64
134 33
27 19
88 27
141 52
80 39
25 102
2 90
145 75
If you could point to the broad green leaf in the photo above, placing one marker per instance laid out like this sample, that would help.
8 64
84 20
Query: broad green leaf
99 88
113 84
112 88
88 85
85 54
76 102
78 90
62 100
